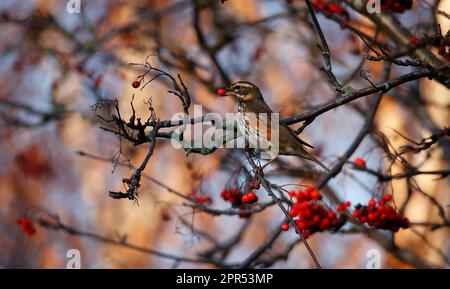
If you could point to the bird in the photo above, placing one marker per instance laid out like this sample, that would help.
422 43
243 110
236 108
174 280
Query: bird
251 106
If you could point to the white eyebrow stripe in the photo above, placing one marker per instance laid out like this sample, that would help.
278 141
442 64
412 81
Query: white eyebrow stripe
244 84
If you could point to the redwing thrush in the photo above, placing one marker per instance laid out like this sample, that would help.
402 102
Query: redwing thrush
251 106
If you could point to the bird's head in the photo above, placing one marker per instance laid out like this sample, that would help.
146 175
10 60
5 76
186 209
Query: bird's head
244 91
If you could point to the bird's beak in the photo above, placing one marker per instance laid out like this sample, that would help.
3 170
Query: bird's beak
224 91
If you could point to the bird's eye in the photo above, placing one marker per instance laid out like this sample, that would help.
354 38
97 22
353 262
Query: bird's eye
237 87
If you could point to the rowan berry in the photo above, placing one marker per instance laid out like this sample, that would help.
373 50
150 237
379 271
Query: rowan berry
310 214
136 84
360 162
26 225
252 197
380 215
340 208
315 195
301 225
324 224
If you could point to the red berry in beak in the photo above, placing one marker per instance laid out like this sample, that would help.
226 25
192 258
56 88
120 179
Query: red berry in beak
221 92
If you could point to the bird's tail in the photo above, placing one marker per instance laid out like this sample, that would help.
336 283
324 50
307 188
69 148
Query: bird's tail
313 159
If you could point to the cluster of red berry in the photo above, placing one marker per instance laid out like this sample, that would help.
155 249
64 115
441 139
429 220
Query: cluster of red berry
380 215
238 199
249 198
330 7
342 207
201 199
234 196
26 225
397 6
310 215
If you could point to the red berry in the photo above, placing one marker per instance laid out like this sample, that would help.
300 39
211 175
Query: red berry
224 194
136 84
340 208
307 214
301 225
355 213
372 203
315 195
202 200
316 219
221 91
324 224
245 199
27 226
252 197
360 162
387 198
389 210
333 8
285 227
331 215
347 204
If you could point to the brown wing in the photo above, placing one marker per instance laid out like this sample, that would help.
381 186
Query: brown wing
259 106
289 133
